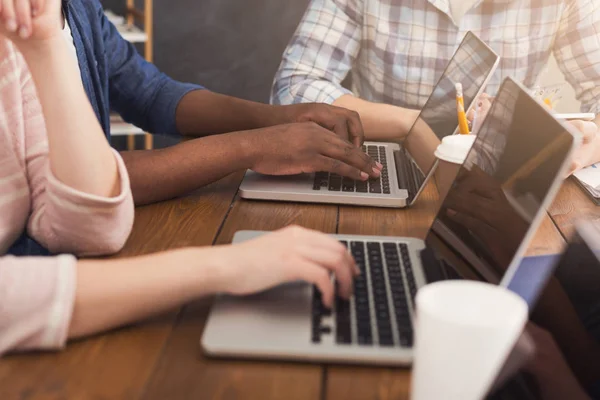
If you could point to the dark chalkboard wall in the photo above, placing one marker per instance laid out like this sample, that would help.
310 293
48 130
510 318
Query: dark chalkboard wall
230 46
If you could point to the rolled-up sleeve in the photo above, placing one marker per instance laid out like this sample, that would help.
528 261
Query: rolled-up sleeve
138 91
320 54
37 296
70 221
577 50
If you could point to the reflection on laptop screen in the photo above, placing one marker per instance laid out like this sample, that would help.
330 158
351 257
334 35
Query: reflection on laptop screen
471 65
568 309
503 183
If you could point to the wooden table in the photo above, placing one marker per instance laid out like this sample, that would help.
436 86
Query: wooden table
161 359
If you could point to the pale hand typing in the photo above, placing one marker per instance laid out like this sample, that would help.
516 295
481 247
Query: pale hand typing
288 255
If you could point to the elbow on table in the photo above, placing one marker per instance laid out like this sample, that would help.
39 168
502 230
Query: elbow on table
105 244
102 238
109 245
112 241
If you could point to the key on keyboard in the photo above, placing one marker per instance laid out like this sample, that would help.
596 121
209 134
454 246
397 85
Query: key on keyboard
380 295
412 285
361 297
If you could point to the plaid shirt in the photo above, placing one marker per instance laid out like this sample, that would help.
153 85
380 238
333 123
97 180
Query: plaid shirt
397 49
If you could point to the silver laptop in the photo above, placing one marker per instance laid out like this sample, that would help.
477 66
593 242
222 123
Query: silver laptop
514 168
406 166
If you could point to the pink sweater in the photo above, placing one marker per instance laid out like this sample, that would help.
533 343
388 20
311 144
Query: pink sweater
37 293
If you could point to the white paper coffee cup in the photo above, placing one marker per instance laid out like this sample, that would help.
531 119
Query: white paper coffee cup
465 331
451 154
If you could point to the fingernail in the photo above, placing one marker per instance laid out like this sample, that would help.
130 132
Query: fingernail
364 176
451 212
23 32
376 171
11 25
379 165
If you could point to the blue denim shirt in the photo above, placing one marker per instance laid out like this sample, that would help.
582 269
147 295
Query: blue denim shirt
115 77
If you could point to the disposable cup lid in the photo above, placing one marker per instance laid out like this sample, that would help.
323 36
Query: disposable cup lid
454 149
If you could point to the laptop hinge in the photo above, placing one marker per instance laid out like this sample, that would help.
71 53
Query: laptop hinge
402 173
434 271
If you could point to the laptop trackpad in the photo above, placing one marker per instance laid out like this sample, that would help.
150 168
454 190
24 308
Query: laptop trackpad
271 320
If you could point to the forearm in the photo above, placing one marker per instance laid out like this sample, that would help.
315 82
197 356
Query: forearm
80 156
380 121
112 293
159 175
202 113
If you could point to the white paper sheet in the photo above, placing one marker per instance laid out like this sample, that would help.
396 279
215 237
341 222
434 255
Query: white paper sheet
590 177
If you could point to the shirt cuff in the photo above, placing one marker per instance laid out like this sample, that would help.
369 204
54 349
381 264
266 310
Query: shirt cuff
74 196
321 92
168 100
62 305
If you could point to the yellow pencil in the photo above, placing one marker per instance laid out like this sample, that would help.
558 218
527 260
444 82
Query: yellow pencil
463 124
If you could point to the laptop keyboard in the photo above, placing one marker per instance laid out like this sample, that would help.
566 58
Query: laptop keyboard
378 313
337 183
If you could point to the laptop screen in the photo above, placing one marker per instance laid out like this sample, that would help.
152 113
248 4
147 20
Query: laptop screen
472 64
503 184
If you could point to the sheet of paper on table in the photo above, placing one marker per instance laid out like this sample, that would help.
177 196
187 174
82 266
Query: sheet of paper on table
590 178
